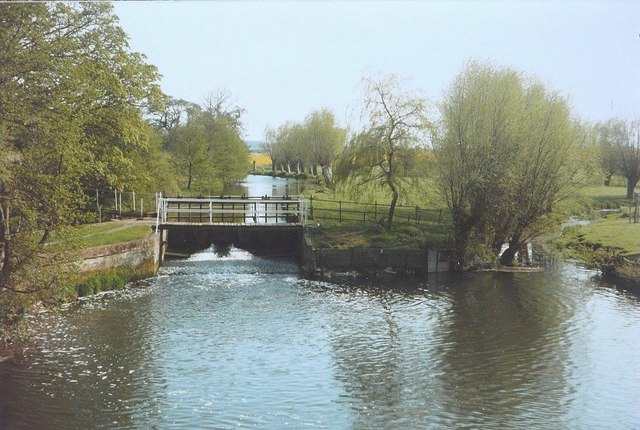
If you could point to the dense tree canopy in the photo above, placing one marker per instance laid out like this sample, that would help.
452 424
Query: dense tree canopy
503 156
204 143
312 144
71 100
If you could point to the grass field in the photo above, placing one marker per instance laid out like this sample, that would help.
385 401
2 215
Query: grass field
106 233
614 230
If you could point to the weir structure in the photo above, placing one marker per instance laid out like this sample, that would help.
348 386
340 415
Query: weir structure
266 224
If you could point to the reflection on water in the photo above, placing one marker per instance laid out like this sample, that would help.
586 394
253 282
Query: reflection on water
257 186
232 340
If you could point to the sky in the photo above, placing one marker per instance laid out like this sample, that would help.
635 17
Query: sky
282 60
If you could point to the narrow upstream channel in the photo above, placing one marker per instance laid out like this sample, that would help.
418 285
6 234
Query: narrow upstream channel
238 341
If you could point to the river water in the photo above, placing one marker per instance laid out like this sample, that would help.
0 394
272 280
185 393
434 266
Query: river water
238 341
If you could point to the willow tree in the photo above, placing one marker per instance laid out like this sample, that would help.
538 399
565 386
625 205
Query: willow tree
383 152
619 141
502 150
315 142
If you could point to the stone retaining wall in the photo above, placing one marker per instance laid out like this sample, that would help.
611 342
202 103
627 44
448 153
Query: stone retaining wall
128 254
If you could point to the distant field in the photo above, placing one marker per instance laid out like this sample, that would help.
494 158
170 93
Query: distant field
262 160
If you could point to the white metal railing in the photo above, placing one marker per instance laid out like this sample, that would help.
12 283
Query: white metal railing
232 210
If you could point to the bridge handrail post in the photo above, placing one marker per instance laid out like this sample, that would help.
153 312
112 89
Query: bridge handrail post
157 213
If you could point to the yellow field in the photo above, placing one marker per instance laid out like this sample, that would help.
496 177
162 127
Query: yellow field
262 160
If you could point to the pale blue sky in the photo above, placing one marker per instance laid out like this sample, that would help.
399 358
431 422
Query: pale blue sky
281 60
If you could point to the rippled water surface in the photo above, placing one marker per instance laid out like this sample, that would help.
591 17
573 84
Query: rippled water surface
243 342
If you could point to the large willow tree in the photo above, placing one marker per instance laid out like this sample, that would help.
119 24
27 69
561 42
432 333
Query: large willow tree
71 95
504 156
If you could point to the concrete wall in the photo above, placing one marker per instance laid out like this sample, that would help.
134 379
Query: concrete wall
271 239
375 260
131 254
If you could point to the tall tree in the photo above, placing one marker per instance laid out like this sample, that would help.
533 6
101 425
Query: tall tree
208 150
619 142
502 154
383 152
71 94
324 139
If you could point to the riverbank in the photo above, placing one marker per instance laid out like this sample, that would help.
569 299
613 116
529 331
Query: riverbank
606 238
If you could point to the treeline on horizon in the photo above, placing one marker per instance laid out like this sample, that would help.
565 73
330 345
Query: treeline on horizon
80 111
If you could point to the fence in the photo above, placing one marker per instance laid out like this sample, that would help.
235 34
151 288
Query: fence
108 203
129 203
349 211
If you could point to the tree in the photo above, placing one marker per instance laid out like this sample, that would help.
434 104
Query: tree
324 140
269 146
71 95
383 152
619 143
543 168
208 150
502 153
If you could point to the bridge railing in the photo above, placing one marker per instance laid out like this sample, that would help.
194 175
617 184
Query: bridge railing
232 210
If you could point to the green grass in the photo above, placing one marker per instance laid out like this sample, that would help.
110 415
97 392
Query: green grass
106 233
614 231
332 234
604 197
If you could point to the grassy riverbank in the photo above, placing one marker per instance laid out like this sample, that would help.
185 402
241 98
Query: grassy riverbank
609 241
106 233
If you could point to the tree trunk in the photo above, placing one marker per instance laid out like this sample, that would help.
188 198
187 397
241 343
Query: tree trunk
5 238
392 207
190 176
631 186
508 256
460 243
328 174
607 179
273 165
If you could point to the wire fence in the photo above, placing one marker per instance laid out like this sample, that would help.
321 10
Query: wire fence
350 211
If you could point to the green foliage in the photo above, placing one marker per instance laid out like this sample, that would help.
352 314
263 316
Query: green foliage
71 100
619 143
505 157
204 144
308 146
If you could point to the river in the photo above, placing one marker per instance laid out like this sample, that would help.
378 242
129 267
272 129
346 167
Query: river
238 341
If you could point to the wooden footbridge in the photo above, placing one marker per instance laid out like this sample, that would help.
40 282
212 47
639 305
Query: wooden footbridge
253 223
